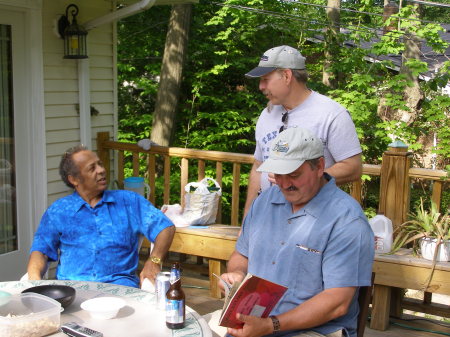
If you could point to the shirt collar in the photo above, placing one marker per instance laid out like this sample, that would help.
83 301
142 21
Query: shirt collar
79 202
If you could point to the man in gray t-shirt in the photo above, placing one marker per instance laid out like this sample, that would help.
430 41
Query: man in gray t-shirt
283 78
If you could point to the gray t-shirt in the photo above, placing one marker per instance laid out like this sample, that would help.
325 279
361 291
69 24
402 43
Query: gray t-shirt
327 119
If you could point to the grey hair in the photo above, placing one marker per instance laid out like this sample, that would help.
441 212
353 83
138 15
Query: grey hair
313 163
300 75
67 166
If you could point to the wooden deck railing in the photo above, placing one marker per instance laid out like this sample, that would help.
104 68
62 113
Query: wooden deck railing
395 174
236 160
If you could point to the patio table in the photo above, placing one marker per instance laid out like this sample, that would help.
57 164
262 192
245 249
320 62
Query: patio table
139 318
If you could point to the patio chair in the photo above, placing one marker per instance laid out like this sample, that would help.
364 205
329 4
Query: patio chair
364 300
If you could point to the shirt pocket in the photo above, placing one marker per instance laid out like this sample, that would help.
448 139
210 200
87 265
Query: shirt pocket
308 278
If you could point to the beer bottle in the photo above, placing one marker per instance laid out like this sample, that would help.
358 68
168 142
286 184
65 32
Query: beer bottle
175 300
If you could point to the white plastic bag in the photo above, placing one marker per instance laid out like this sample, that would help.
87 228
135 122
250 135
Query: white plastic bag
175 214
200 207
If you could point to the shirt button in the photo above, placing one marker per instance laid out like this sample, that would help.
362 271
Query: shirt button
289 222
273 262
282 243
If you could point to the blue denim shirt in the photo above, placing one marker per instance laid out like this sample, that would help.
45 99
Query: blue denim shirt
326 244
101 243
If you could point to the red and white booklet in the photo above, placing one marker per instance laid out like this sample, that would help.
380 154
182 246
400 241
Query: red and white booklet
254 296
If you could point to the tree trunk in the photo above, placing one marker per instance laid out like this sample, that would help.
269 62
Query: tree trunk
413 95
331 43
171 74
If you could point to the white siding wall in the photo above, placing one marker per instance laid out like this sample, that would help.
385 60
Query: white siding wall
61 85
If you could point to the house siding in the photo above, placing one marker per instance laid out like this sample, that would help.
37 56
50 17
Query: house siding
62 122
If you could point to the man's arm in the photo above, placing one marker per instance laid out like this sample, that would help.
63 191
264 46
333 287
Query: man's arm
236 269
254 185
160 248
346 170
37 265
324 307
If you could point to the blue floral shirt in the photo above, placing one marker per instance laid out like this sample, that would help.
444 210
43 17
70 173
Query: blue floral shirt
101 243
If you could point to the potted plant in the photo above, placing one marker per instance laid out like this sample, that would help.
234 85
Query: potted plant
429 230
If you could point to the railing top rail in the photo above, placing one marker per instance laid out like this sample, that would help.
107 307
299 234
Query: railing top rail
183 152
423 173
414 172
232 157
371 169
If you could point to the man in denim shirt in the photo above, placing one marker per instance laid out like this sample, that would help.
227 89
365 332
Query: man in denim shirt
308 235
94 233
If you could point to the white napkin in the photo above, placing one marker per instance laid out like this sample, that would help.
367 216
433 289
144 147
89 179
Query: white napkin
147 285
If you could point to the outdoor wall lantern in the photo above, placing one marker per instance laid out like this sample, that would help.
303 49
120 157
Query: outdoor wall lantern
73 34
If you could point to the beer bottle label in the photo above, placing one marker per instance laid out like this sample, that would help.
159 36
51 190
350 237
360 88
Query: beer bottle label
174 311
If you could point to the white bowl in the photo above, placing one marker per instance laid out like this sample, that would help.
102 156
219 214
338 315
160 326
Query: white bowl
103 307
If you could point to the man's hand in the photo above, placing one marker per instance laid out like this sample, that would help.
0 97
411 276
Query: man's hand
253 326
149 271
231 278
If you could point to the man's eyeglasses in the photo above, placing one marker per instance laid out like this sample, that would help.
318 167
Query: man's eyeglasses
284 119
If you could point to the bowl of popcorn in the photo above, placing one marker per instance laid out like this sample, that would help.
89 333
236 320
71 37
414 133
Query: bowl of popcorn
29 315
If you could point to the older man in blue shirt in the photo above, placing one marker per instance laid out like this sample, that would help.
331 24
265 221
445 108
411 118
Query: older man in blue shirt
94 233
308 235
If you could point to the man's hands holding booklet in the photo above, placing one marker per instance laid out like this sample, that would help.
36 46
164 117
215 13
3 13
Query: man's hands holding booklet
249 300
227 280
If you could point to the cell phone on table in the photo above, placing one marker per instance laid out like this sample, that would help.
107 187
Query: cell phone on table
75 330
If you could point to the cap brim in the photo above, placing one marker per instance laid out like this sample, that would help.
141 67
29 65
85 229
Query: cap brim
259 71
280 166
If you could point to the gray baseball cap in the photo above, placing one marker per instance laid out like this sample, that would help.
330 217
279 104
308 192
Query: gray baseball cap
290 149
284 57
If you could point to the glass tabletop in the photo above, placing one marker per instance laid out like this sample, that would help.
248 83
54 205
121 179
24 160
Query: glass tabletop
139 318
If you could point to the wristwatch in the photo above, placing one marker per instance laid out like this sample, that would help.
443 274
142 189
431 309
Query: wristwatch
156 260
276 323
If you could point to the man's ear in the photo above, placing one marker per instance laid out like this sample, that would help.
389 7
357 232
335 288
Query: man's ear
321 165
73 180
287 73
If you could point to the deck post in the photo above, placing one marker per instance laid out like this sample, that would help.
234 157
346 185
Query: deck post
394 204
394 183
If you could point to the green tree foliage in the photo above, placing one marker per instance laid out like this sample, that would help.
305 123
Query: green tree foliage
219 106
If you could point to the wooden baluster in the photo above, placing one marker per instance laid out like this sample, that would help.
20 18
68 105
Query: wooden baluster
151 169
356 190
136 164
437 193
219 174
235 194
201 169
184 178
120 174
166 180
